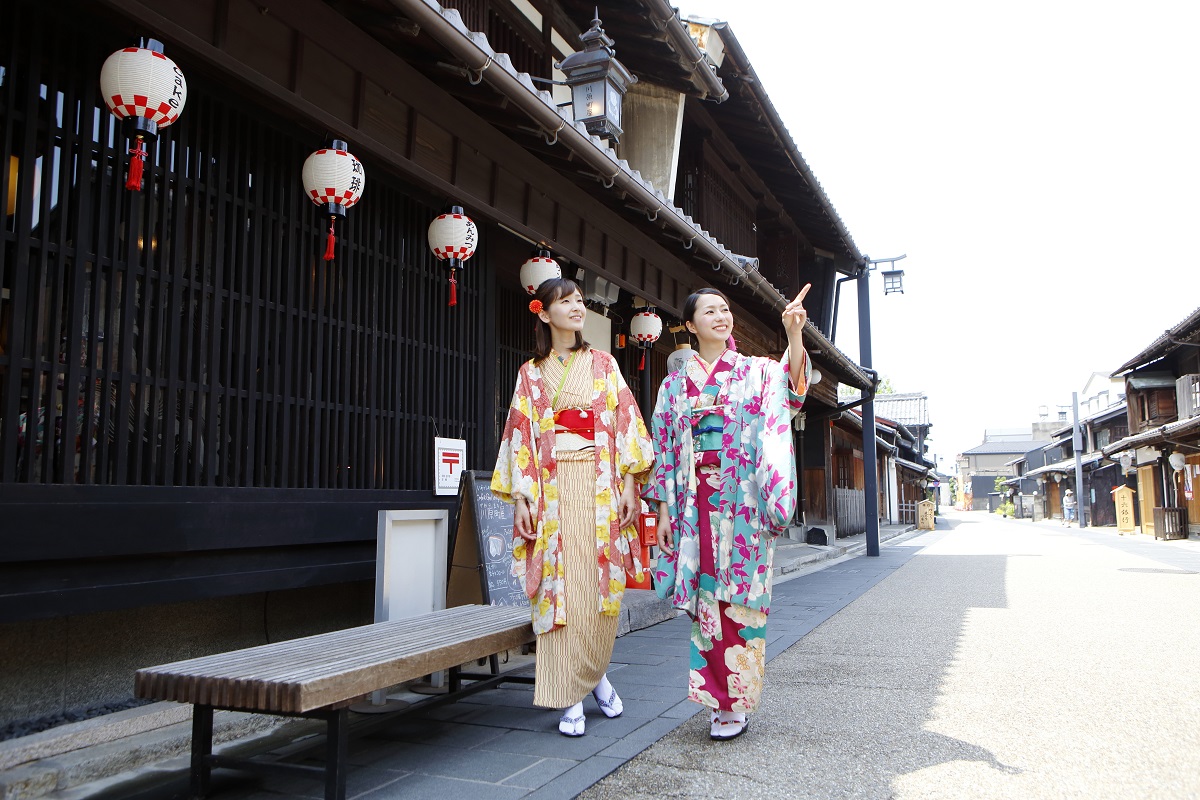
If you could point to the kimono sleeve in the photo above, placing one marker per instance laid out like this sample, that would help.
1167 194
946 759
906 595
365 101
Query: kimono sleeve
776 468
662 478
796 394
634 452
516 470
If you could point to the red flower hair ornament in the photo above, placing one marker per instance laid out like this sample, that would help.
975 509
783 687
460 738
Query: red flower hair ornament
535 306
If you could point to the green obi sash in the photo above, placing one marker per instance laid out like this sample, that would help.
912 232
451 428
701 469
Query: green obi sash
707 426
706 432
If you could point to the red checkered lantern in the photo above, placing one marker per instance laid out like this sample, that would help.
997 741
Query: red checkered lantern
146 89
538 268
453 238
645 328
334 180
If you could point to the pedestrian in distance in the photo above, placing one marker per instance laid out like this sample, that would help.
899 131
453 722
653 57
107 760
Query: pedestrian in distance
572 460
1068 507
725 486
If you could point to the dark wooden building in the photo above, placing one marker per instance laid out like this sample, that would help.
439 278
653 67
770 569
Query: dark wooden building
201 418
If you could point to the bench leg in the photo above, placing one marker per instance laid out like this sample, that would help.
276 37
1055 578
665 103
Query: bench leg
202 730
335 754
455 679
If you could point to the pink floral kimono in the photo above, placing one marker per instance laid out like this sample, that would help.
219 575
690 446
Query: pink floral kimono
526 465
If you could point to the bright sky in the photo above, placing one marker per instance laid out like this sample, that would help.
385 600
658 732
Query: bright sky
1038 162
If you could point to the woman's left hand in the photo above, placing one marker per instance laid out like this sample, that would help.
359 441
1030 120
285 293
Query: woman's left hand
795 316
794 319
629 507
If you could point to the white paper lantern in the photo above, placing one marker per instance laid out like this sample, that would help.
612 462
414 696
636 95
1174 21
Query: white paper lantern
142 85
646 327
453 237
679 358
334 180
537 269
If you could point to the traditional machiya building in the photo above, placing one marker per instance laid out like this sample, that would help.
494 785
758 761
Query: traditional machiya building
201 417
1160 456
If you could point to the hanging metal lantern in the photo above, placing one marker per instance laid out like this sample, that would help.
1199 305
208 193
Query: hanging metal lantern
334 180
645 328
453 238
598 83
148 90
538 268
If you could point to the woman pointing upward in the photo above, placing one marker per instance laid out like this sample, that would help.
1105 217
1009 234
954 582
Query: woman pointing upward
725 483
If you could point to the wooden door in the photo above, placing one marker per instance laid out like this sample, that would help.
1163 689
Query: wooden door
1189 478
1148 497
1054 495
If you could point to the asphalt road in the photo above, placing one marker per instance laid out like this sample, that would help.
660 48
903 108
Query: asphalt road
1002 659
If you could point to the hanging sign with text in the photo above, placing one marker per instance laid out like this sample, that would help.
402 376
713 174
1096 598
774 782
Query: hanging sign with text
449 457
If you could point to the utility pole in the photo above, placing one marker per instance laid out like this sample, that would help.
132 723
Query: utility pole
1077 446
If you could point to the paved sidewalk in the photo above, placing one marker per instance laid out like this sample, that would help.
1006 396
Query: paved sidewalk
495 744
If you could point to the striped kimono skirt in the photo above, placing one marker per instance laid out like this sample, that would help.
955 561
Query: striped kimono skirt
729 644
571 659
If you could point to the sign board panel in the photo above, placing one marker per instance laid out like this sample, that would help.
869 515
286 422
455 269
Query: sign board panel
925 515
1144 456
449 457
1123 498
410 560
410 571
480 571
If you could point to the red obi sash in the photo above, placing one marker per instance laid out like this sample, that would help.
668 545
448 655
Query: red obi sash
580 421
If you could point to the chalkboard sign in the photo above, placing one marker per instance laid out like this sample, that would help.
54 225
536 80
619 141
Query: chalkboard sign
481 566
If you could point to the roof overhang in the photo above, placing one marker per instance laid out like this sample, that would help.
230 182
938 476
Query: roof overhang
923 469
1185 429
1066 466
753 124
1152 380
1185 333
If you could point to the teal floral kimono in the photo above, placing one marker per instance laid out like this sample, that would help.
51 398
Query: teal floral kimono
757 477
725 467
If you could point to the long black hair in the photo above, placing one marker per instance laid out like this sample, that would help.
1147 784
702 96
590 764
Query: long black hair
550 291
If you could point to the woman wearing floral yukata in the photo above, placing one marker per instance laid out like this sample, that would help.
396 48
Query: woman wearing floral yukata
572 459
725 482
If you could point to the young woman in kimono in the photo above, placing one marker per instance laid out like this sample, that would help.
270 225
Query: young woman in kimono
725 483
573 458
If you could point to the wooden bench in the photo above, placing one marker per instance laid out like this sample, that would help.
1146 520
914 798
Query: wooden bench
321 676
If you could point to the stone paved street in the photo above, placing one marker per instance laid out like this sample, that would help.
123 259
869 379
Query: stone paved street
1002 659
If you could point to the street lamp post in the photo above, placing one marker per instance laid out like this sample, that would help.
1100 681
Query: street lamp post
870 468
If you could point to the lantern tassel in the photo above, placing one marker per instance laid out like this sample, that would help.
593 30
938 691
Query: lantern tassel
642 363
330 241
453 290
137 157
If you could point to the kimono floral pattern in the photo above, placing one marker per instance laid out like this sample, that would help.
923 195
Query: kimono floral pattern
526 467
757 494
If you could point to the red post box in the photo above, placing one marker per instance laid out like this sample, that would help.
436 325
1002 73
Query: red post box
648 536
